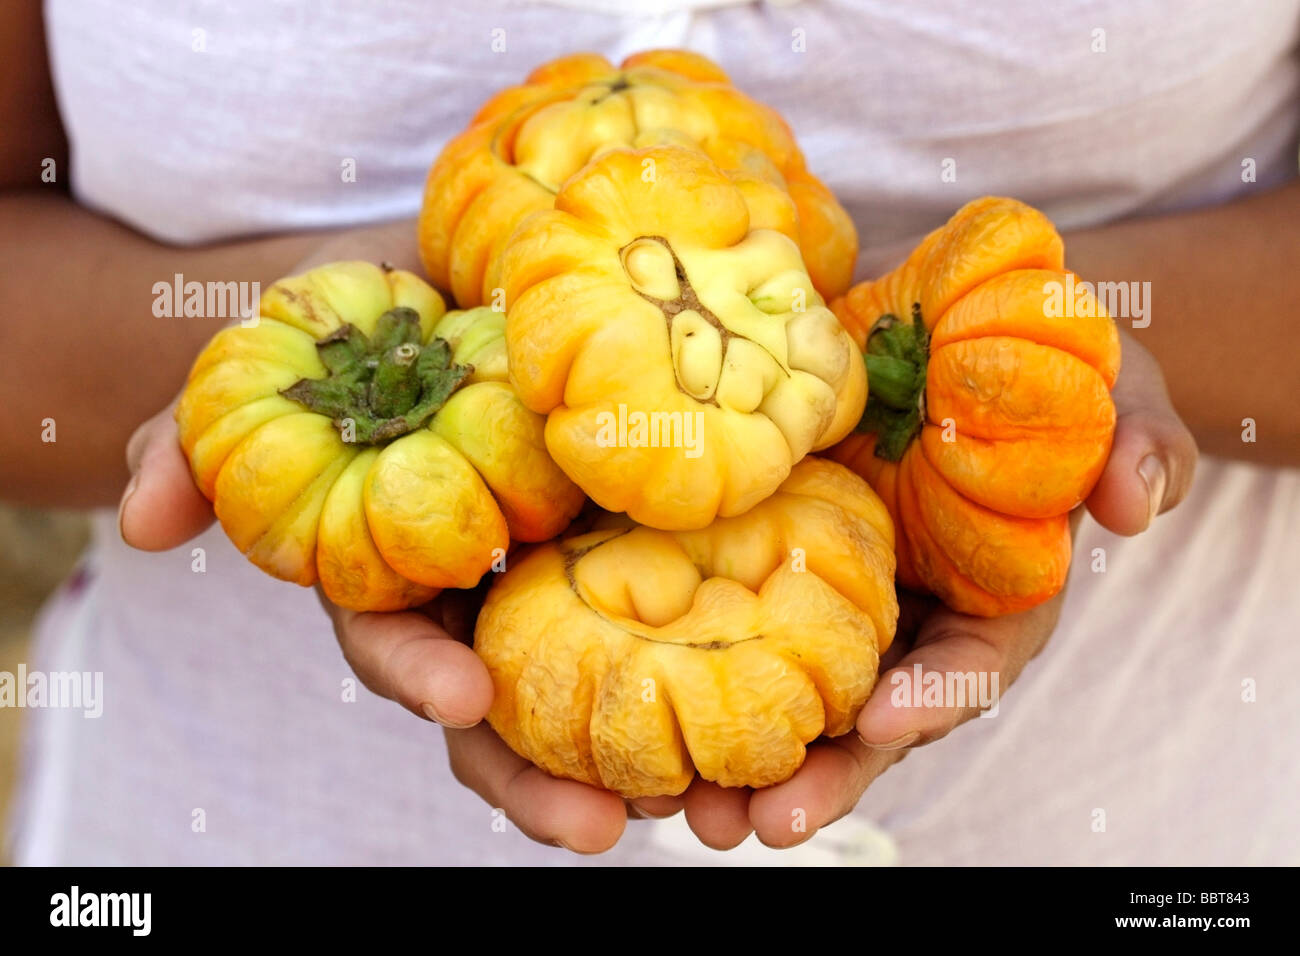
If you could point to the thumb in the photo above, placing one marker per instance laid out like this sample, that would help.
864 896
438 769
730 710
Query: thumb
972 659
161 507
1153 456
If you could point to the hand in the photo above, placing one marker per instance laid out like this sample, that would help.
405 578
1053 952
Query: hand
413 658
419 658
1149 471
410 656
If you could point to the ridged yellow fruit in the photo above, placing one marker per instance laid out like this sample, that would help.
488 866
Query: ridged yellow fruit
527 140
633 659
357 436
674 340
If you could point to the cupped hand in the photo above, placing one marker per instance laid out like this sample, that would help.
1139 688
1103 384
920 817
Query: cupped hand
1149 471
419 658
410 657
422 659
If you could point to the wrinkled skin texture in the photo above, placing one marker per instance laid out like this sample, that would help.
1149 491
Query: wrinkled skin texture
982 518
528 140
633 659
383 526
670 297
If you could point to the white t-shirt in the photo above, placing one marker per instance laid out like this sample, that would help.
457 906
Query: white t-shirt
225 695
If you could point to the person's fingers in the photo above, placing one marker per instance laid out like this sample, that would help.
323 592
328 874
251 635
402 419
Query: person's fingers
719 816
161 507
547 809
830 783
838 771
977 658
406 657
1153 457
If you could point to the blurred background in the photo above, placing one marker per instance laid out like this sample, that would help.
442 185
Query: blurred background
38 549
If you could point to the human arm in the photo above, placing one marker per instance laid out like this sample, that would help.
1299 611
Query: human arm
1224 290
81 342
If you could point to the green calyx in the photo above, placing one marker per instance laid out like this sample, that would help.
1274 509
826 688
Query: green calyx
896 356
380 387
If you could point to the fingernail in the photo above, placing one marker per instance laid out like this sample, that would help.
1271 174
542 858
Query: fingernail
126 496
1152 472
898 743
432 713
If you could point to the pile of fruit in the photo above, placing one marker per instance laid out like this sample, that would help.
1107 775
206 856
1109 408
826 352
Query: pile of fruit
720 475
